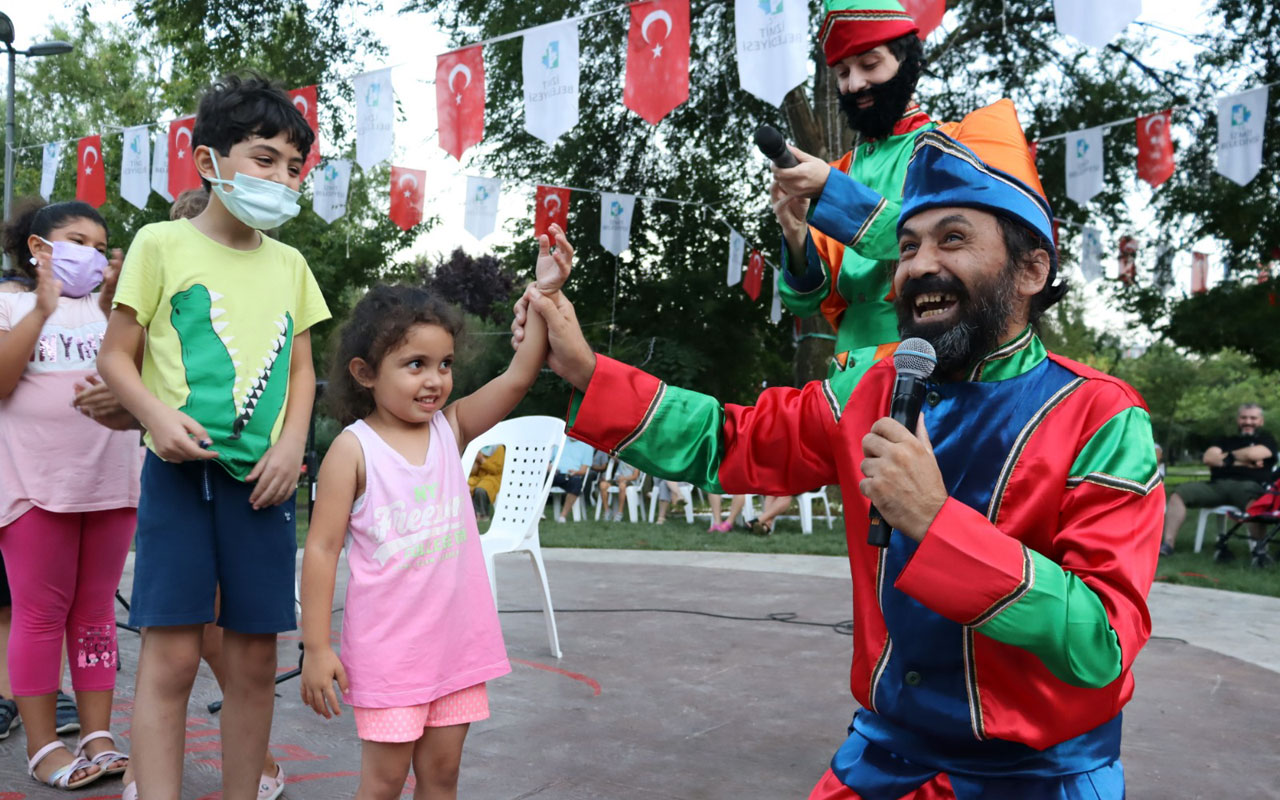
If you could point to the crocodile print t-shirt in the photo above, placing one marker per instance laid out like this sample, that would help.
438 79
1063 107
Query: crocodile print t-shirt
220 325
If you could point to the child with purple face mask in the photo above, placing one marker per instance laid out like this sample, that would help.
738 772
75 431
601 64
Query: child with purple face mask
68 487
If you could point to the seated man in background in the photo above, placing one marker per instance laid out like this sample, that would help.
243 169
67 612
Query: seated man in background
572 474
623 476
1240 467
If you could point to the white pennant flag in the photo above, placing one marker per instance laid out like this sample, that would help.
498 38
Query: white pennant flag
329 193
1091 253
773 46
737 250
135 166
160 166
1095 22
49 168
1084 164
551 80
615 221
1241 119
375 115
482 205
775 310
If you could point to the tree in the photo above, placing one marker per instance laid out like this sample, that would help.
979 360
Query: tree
154 69
479 286
669 286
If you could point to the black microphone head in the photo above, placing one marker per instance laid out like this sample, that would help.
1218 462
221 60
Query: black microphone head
770 142
915 356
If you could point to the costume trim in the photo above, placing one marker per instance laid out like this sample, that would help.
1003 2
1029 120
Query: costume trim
1019 444
883 661
1028 581
971 687
867 223
830 395
1116 482
645 420
951 148
1020 342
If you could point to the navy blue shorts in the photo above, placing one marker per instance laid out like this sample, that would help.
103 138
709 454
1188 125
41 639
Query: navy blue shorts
196 532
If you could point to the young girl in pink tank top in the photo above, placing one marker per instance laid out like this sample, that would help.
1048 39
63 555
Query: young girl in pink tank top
420 634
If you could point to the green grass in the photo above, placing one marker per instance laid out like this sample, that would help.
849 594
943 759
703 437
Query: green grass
1184 567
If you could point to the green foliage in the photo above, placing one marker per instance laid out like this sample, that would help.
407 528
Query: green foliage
155 69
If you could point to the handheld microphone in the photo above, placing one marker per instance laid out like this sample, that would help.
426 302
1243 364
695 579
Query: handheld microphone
774 147
914 361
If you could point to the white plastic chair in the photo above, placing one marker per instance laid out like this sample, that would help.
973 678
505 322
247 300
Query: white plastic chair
805 502
686 492
526 481
1204 517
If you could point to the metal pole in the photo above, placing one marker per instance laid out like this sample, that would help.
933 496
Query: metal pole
10 131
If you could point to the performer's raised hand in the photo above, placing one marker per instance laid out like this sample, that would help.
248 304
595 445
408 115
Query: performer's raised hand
806 179
570 356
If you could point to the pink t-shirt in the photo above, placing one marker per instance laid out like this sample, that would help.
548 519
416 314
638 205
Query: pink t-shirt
419 621
51 455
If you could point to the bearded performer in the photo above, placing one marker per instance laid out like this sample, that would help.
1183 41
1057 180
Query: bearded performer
994 636
835 254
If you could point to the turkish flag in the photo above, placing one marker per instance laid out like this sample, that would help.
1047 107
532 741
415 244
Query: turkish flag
553 206
91 178
657 58
1155 148
1057 226
304 100
1034 149
1128 270
182 161
460 99
755 275
406 196
1199 273
926 13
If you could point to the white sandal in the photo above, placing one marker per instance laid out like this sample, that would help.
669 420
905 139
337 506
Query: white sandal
101 760
61 777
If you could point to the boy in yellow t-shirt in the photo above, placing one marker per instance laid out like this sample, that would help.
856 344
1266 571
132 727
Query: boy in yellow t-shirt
225 395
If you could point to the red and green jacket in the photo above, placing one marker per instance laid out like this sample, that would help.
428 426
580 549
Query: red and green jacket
1011 628
853 237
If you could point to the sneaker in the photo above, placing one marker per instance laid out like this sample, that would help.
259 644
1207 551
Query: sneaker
559 520
616 516
1165 550
9 718
66 716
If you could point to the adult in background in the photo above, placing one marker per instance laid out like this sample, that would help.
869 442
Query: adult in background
1240 467
994 637
573 474
836 253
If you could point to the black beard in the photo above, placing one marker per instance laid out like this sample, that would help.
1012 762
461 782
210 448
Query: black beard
982 318
889 101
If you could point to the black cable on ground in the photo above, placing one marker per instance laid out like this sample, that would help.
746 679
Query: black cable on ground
845 627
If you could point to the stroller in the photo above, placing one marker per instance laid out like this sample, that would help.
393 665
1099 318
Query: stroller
1264 511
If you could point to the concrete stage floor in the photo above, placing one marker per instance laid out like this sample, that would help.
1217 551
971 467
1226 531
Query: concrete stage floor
672 706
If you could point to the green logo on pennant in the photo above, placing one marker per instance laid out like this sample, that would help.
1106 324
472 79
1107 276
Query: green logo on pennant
1240 114
551 58
771 6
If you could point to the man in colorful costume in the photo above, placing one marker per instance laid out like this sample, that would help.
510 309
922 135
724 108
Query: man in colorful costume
837 239
994 637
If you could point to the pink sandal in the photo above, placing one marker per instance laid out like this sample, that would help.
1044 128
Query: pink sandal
60 778
270 788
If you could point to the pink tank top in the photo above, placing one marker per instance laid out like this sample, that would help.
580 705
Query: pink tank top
419 621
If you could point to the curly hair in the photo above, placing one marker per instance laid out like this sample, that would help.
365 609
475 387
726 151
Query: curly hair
33 216
378 324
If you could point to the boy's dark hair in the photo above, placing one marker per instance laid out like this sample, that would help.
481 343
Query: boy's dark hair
32 215
234 108
378 323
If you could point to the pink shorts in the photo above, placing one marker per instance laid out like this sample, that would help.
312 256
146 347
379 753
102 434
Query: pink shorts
406 723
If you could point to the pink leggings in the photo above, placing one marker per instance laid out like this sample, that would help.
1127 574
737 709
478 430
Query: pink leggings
63 572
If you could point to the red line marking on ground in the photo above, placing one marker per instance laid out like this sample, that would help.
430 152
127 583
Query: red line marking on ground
577 676
1198 575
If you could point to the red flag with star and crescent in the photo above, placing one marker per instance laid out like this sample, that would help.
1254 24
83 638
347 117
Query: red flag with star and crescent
927 14
657 58
406 196
182 161
755 275
305 101
91 178
553 206
460 99
1155 148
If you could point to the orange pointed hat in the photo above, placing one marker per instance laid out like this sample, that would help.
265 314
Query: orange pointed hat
980 162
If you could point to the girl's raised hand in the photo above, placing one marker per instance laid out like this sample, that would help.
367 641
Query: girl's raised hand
48 288
319 671
553 264
111 276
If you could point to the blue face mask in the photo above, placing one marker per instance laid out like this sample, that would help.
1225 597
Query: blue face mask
258 203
